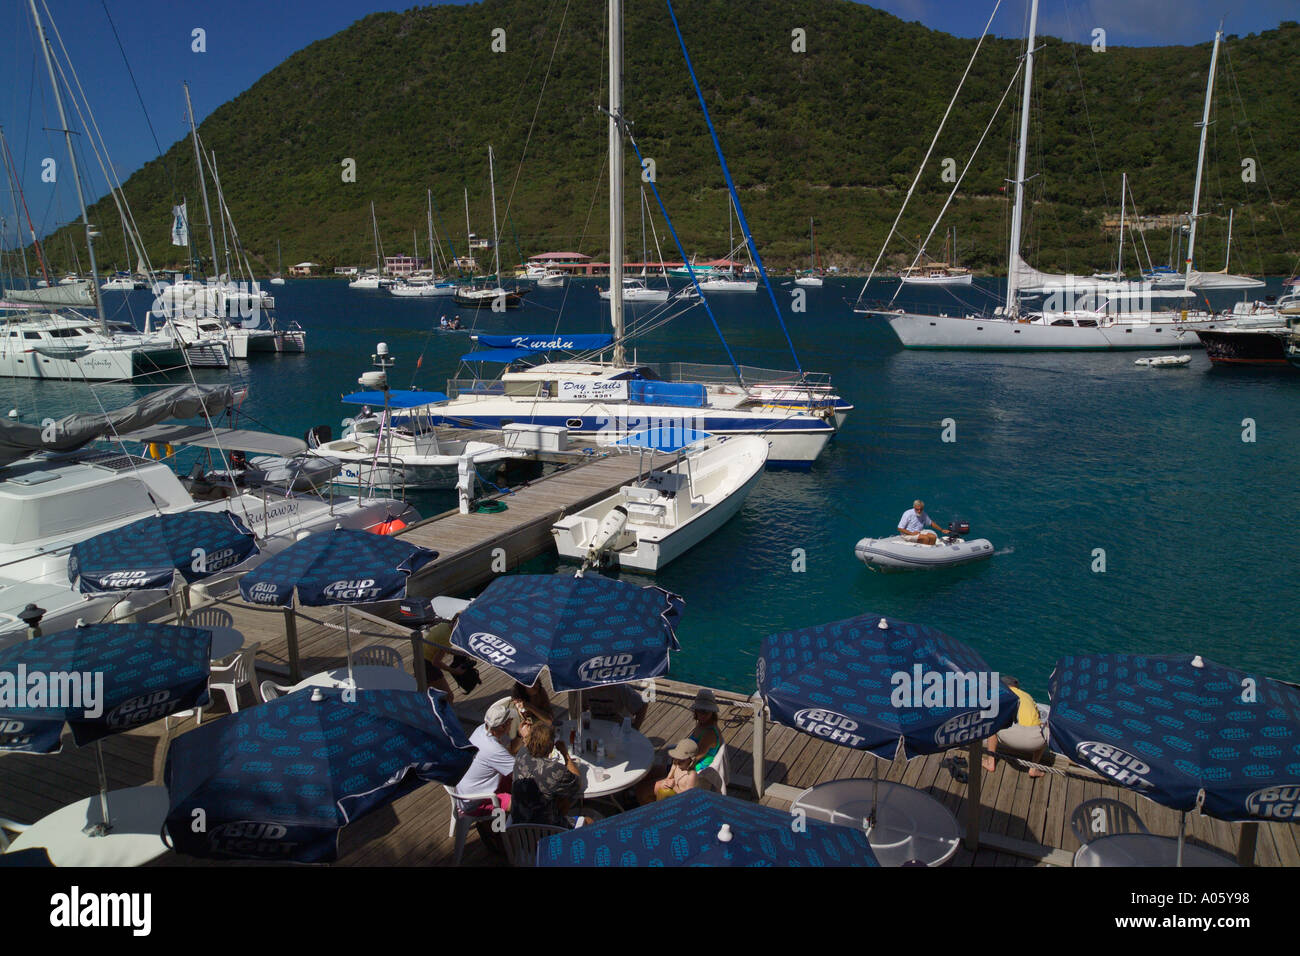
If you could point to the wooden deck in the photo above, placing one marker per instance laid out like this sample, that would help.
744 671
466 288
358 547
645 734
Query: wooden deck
1016 810
474 548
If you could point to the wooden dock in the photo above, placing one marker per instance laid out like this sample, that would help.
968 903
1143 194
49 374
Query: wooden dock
1029 815
474 548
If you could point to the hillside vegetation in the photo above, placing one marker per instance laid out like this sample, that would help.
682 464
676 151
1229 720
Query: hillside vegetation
835 133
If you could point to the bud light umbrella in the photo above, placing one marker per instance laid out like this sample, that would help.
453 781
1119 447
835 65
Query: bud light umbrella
587 631
279 781
148 553
99 680
702 828
1183 731
342 566
883 687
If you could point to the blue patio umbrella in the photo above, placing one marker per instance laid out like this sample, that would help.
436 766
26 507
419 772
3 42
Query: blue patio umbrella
587 631
148 553
1183 731
876 685
279 781
342 566
702 828
884 687
99 680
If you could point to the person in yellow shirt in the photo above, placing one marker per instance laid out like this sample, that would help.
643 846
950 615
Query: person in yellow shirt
1027 735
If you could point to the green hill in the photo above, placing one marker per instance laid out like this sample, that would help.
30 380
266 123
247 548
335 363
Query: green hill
836 133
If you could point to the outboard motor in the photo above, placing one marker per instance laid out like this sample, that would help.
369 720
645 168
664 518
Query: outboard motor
607 534
318 435
957 528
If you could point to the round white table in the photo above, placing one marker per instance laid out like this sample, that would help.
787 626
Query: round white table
367 678
1145 849
137 814
627 758
910 824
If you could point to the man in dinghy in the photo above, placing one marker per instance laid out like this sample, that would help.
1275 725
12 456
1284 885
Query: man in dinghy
914 523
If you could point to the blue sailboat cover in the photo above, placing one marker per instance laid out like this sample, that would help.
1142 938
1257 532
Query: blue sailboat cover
683 831
588 631
858 685
669 438
279 781
341 566
396 399
148 553
1169 729
100 680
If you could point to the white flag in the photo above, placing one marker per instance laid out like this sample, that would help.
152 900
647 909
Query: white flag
180 226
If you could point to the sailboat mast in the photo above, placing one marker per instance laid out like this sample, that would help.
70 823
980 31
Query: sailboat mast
433 267
616 176
1018 213
1200 158
1227 250
76 173
374 224
1123 209
496 245
203 182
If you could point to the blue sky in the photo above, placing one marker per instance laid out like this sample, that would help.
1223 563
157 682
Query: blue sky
247 38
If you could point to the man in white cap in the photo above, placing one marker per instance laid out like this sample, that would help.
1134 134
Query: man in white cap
494 763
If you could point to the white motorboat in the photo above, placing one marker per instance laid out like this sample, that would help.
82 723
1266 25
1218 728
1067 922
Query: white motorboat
422 288
896 553
635 290
53 497
370 280
55 345
728 283
123 282
552 279
651 522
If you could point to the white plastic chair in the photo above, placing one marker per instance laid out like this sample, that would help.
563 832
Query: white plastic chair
377 655
522 840
717 773
228 678
270 690
461 822
210 617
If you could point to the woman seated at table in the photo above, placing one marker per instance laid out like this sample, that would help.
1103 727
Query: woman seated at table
681 774
533 703
706 734
543 790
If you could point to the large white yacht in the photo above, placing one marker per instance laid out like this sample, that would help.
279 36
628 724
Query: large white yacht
73 346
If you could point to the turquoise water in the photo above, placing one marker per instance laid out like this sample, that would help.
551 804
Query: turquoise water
1056 455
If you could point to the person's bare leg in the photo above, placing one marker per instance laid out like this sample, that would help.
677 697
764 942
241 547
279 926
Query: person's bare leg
991 745
1038 758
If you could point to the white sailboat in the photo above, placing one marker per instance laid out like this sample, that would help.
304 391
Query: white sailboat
1080 312
278 278
374 279
647 524
812 278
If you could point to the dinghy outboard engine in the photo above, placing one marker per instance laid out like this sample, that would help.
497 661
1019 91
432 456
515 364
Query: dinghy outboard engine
318 435
958 528
607 535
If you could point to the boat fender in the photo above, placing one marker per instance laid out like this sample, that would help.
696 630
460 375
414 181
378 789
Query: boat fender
389 527
610 528
157 452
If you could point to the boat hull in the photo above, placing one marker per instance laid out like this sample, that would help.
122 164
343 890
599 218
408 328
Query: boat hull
898 554
1245 348
916 331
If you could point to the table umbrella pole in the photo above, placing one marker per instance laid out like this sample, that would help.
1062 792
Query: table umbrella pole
975 768
102 828
347 637
760 734
1182 836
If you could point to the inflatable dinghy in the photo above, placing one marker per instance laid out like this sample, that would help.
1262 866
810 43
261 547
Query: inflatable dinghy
897 553
1164 361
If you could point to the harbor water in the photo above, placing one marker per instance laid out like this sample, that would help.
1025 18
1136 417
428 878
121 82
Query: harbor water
1131 509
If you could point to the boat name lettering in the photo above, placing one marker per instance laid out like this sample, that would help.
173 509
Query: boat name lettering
597 390
826 723
1120 765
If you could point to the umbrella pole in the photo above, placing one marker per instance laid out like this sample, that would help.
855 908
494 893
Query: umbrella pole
975 769
1246 843
1182 835
760 733
347 637
102 828
291 641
